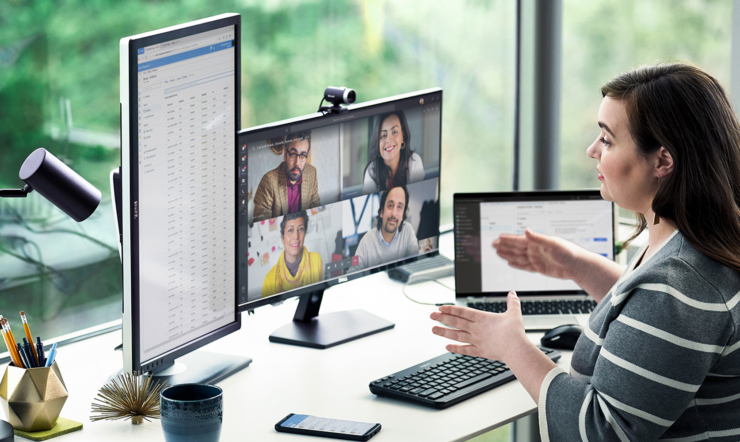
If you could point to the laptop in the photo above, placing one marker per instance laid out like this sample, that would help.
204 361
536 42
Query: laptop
483 279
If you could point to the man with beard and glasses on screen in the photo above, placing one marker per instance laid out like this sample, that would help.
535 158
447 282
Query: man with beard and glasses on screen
292 186
393 238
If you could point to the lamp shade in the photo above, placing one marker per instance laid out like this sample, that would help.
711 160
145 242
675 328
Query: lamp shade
59 184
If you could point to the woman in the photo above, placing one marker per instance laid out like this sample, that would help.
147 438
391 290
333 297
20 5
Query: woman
392 163
660 356
296 266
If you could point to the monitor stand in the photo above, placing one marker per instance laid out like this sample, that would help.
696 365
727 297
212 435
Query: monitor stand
308 329
198 367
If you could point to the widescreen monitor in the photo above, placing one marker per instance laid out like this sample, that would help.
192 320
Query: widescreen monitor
180 93
328 198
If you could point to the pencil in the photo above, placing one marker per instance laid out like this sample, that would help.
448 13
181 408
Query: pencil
13 341
7 344
13 351
29 336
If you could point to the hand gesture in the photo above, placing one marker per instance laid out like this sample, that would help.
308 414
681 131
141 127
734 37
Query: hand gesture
428 245
490 335
537 252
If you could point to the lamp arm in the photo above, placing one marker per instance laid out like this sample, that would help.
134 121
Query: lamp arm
16 193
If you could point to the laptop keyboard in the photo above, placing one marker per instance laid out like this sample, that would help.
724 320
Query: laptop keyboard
539 307
447 379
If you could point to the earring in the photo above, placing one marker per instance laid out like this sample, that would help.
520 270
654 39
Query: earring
403 145
656 217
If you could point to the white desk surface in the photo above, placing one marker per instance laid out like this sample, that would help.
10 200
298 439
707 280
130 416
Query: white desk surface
333 383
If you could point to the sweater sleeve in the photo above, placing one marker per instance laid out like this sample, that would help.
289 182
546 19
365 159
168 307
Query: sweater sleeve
416 169
368 185
659 341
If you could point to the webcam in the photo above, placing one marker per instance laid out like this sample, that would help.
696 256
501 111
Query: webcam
337 96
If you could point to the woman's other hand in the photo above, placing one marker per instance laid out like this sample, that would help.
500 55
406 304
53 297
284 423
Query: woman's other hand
493 336
536 252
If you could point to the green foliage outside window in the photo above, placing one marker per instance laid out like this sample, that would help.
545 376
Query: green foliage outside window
59 88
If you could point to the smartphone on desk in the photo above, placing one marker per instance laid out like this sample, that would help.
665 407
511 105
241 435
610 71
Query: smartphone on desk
325 427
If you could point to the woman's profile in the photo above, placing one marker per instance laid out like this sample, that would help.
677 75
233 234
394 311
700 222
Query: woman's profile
391 163
296 266
660 357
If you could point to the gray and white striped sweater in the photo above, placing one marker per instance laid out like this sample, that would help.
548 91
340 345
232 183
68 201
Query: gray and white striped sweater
659 360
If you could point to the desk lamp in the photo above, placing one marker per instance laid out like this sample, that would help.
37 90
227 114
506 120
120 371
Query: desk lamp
55 181
65 188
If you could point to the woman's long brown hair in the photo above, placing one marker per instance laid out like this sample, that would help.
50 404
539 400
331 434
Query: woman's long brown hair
686 110
380 173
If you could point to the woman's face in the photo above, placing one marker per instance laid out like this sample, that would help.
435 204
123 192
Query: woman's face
391 138
293 237
627 178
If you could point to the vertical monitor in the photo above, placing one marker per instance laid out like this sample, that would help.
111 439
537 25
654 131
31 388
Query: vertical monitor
324 199
180 114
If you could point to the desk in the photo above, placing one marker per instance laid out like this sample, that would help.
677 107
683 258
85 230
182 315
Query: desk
330 383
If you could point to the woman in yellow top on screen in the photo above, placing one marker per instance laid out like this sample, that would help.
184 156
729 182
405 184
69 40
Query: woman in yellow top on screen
392 162
296 266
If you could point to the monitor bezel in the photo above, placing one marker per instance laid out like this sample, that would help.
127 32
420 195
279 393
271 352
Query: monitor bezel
317 117
129 147
535 195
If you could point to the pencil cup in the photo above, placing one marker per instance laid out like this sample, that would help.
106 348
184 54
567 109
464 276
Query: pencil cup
191 413
32 398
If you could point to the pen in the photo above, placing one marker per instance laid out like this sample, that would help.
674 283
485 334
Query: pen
23 357
29 355
40 352
11 344
52 355
29 336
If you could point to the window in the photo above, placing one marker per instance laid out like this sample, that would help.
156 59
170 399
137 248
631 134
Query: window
59 89
603 38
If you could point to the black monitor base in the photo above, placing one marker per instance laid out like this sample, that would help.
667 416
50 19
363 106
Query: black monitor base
308 329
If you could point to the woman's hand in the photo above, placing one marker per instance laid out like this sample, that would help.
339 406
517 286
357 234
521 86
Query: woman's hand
536 252
428 245
490 335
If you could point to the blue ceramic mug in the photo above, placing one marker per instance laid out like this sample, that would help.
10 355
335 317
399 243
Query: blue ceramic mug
192 413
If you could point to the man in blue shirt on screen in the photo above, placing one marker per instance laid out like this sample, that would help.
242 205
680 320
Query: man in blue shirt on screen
393 238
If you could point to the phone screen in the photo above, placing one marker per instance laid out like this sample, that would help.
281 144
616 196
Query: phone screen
339 426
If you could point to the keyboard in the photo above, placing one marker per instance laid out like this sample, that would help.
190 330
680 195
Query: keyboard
447 379
539 307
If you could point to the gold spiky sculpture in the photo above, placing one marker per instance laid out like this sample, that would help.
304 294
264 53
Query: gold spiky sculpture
128 396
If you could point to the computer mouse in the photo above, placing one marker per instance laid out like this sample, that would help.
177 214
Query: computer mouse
562 337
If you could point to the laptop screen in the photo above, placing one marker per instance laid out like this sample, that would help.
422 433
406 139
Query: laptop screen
581 217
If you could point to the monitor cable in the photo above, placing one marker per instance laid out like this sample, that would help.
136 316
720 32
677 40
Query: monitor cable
427 303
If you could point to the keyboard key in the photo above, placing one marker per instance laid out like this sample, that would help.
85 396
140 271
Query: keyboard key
427 392
416 391
474 380
436 395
